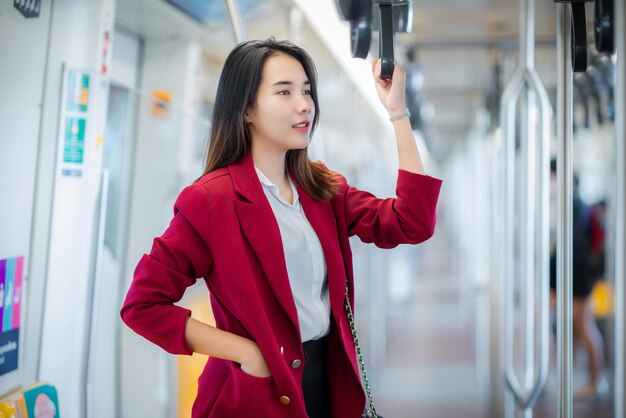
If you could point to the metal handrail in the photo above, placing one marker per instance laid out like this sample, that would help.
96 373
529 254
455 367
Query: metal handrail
93 296
498 405
528 77
537 250
564 211
620 208
236 21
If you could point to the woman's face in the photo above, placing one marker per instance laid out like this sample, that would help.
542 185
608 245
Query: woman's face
284 109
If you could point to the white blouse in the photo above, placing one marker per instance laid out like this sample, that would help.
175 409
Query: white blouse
304 257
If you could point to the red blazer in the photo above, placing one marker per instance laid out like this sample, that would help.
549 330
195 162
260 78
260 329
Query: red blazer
224 231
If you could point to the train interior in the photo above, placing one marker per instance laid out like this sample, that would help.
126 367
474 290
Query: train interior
106 112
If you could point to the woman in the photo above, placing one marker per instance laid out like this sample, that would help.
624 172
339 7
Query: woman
268 231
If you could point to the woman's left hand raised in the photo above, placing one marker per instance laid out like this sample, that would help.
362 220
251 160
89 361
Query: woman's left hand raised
390 92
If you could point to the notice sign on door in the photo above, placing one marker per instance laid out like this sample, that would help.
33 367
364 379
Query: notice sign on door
77 91
74 143
11 272
75 113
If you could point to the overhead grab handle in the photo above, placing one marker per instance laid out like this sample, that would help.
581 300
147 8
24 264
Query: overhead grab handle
579 37
393 16
386 39
604 26
579 34
359 14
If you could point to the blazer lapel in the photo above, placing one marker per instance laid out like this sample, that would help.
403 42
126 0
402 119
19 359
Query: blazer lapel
261 229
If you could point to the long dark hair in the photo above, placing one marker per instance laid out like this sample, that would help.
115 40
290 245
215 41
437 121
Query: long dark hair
236 93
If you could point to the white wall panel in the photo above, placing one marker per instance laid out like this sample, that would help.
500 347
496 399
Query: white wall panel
21 84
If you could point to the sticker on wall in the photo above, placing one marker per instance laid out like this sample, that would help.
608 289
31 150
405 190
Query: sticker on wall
68 172
161 100
11 272
106 45
77 91
28 8
42 401
74 145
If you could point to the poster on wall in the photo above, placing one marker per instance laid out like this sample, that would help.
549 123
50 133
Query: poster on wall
77 91
74 143
75 116
11 272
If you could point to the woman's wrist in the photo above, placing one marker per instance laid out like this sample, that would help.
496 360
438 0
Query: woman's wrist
396 116
396 108
247 351
252 361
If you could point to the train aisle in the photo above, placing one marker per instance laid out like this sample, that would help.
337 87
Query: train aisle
430 370
433 369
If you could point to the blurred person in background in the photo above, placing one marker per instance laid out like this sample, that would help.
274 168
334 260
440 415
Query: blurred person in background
588 267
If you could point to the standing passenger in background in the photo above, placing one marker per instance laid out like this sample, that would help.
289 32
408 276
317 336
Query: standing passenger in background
588 267
268 229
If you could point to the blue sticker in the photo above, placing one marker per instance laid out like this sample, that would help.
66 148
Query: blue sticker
71 173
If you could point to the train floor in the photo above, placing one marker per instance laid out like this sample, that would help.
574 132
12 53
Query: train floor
436 367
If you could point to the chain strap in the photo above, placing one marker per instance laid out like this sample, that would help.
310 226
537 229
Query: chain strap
355 337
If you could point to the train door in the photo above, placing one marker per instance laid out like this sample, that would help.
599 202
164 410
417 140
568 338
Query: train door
117 180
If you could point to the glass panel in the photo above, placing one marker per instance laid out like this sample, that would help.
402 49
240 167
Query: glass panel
115 153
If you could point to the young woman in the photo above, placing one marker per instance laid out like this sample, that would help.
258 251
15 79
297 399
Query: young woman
268 230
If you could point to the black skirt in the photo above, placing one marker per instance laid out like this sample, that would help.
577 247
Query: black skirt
315 379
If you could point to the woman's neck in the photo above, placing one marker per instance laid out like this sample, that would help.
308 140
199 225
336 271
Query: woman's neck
272 164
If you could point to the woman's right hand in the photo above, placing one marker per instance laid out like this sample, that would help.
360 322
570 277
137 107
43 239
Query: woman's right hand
254 362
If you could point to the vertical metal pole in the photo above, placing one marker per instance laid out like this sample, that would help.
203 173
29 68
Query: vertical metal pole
509 187
95 289
498 276
235 19
543 238
529 169
526 266
620 210
564 211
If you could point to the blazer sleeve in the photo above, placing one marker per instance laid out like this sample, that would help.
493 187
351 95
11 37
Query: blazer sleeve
407 219
176 259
